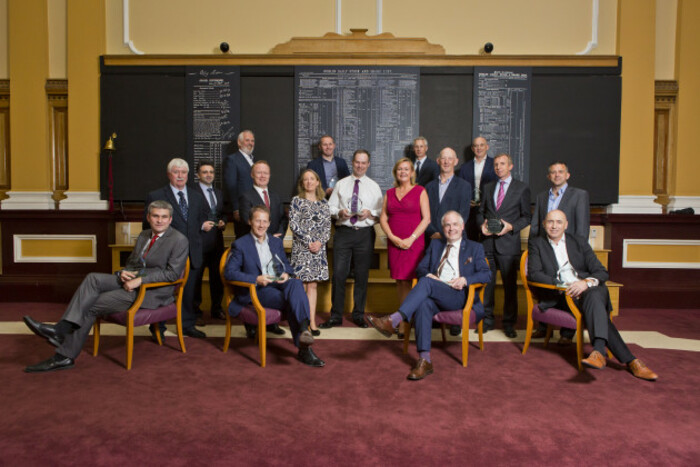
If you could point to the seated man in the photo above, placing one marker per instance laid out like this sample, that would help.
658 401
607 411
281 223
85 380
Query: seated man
101 294
253 259
450 264
558 255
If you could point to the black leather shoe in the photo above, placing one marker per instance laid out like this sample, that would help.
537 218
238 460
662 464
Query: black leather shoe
250 331
315 332
57 362
331 323
194 332
308 357
218 314
275 329
46 331
510 333
455 330
487 328
154 329
360 322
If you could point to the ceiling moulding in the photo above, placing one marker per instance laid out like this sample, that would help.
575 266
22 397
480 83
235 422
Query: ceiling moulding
358 42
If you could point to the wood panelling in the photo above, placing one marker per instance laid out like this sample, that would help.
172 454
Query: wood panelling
57 93
664 140
4 138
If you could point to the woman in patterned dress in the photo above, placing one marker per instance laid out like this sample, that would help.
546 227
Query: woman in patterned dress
310 222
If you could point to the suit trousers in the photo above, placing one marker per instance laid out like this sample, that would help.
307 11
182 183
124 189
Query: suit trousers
425 300
508 265
356 247
99 294
290 298
216 287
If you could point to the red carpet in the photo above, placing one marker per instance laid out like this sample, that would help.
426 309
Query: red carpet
210 408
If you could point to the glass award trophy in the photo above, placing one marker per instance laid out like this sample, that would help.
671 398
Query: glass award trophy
332 182
141 270
477 195
494 226
358 207
275 268
566 275
214 217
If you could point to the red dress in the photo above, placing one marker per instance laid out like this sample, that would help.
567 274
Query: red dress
404 216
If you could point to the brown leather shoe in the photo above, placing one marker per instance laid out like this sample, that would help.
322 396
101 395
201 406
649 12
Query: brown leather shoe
595 360
422 369
538 334
565 341
382 324
640 370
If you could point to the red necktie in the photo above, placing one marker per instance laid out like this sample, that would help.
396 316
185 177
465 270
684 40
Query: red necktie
153 240
267 199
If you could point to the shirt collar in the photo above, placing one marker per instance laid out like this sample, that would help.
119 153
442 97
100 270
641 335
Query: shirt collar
562 239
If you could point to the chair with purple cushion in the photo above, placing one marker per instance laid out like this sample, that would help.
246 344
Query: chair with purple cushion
462 318
254 314
137 316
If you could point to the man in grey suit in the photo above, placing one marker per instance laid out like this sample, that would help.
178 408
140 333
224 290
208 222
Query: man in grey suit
160 255
573 202
237 179
508 201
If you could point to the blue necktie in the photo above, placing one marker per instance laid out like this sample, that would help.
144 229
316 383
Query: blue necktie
183 204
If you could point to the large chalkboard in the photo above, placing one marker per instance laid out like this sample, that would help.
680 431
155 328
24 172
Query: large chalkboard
575 118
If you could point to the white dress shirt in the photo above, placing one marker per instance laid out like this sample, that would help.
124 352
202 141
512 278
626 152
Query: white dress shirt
369 194
447 274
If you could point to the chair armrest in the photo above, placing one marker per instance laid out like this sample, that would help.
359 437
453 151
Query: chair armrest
542 285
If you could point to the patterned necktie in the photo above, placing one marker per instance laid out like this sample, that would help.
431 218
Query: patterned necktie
443 260
501 195
212 200
355 199
266 198
183 204
418 164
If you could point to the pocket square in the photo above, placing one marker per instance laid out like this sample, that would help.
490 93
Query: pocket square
469 260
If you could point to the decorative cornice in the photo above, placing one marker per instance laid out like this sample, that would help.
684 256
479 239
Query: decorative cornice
56 87
666 88
4 88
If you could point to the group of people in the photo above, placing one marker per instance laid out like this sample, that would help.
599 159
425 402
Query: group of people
444 228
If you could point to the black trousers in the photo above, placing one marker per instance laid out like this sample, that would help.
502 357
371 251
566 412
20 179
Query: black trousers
508 265
216 287
351 246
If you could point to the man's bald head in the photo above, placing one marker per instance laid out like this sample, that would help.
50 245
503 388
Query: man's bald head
555 224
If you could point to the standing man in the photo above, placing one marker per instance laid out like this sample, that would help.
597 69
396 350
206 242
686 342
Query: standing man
504 212
329 168
248 262
160 251
549 253
190 218
439 288
478 172
237 177
356 202
446 193
426 169
260 195
212 241
573 202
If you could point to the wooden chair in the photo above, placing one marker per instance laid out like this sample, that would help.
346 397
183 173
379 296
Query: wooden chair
137 316
463 318
254 314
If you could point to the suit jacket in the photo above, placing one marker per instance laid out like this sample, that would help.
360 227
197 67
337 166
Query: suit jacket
429 171
198 212
575 205
278 220
214 239
237 179
542 265
244 265
515 209
472 265
488 174
165 262
456 198
317 166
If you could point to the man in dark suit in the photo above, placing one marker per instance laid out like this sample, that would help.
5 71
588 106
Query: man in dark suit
249 262
574 203
446 193
507 201
445 272
426 169
477 172
236 169
557 251
212 241
260 195
190 218
160 255
329 168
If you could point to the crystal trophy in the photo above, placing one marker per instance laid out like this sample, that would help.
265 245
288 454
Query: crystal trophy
566 275
214 217
358 206
141 270
477 195
332 182
494 226
275 268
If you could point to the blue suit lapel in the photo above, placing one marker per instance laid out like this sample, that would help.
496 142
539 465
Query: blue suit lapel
254 251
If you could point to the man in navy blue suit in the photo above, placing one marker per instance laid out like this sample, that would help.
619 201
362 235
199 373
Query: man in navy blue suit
446 193
212 241
237 179
426 169
329 168
449 266
251 258
190 218
477 172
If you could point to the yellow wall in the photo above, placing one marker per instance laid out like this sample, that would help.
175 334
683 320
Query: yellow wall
688 69
4 72
666 15
636 46
57 39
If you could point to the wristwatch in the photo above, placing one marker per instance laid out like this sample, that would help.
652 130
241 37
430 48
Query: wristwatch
590 283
